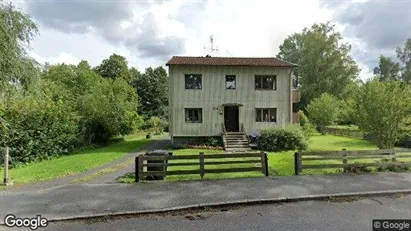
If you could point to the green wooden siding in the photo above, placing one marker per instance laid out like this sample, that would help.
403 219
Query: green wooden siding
214 94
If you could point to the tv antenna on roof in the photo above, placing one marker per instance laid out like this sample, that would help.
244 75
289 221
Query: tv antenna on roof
211 48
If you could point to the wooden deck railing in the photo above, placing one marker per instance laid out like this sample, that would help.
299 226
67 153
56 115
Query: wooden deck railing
258 163
391 157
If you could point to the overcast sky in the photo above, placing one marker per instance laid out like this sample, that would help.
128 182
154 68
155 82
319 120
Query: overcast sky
149 32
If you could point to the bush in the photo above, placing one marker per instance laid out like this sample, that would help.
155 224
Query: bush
283 139
156 125
306 125
37 129
323 111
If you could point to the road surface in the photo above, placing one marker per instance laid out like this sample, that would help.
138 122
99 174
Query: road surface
342 214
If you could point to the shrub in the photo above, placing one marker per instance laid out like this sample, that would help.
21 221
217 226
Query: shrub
382 110
37 129
156 125
282 139
323 111
306 125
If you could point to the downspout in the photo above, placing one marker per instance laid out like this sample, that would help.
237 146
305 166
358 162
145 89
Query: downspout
291 94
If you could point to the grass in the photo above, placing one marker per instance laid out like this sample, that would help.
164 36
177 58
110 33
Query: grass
76 162
280 163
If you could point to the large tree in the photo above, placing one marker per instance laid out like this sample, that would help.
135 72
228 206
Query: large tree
116 66
387 69
152 90
404 54
381 110
16 32
324 63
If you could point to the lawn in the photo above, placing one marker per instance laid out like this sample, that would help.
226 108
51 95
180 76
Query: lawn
280 163
76 162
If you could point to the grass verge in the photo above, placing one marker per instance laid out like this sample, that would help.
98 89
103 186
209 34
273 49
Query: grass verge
76 162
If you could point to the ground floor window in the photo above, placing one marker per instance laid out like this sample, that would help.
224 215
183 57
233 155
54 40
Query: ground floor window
194 115
266 115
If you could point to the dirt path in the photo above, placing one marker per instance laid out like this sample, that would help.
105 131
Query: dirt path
103 174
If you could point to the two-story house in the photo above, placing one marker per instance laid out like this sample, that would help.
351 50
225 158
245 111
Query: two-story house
228 97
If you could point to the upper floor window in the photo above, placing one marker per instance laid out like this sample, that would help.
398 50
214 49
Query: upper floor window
193 81
266 115
194 115
265 82
230 82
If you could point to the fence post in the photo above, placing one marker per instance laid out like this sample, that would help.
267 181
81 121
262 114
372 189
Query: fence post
297 163
266 165
394 157
201 165
6 180
345 160
137 168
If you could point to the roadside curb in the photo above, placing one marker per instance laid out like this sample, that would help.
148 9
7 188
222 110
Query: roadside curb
232 203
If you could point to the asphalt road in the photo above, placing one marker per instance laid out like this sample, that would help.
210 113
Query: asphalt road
342 214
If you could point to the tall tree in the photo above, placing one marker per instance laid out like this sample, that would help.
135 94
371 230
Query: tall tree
387 69
152 90
289 51
381 110
324 63
16 32
116 66
404 54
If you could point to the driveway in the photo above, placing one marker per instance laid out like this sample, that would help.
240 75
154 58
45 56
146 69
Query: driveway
107 173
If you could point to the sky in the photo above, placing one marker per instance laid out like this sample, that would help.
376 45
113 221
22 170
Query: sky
150 32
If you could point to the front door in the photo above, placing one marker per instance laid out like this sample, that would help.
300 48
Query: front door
231 120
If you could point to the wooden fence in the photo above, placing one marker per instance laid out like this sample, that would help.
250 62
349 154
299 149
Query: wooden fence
343 132
390 155
259 163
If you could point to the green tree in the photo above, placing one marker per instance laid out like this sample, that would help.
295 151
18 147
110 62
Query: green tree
387 69
381 109
323 59
324 110
16 32
116 66
404 54
152 90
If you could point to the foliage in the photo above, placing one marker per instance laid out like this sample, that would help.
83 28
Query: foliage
387 69
404 55
152 90
107 106
323 111
38 128
306 125
283 138
381 110
156 125
116 66
324 61
16 31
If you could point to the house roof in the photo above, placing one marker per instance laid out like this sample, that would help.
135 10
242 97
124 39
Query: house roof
229 61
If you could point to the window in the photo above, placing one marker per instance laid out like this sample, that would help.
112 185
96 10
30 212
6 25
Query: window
193 81
266 115
194 115
265 82
230 82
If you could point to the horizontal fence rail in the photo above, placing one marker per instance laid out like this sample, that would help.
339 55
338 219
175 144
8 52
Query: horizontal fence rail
343 132
347 158
258 163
